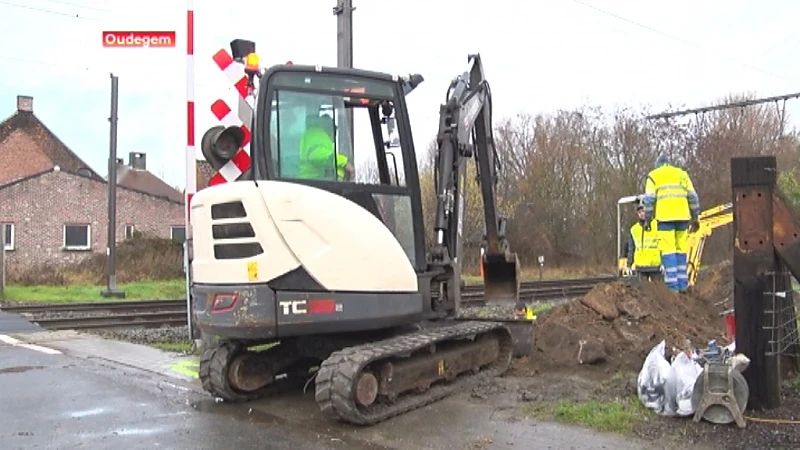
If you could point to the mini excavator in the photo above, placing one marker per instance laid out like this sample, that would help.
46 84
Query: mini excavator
329 267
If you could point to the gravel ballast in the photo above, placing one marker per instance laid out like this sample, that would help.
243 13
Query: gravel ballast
147 336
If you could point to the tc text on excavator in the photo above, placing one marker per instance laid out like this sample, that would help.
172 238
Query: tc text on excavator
326 258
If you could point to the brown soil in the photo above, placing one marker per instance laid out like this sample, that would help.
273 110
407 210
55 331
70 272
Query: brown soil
611 330
615 325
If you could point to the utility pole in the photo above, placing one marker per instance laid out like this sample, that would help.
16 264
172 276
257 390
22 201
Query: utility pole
344 52
111 245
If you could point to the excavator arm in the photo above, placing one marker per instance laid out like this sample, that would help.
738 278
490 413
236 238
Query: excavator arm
709 219
465 131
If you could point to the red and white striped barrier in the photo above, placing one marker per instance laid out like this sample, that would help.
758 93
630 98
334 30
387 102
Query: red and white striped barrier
191 161
234 71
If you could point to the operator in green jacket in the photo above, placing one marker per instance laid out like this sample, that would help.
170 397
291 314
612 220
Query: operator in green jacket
318 156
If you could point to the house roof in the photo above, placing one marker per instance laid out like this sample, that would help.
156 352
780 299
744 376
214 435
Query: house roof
45 141
144 181
95 179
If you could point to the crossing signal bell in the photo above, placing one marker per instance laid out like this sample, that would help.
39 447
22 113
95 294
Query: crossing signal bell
220 144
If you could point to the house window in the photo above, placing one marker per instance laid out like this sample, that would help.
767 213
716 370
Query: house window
128 232
77 237
9 243
178 233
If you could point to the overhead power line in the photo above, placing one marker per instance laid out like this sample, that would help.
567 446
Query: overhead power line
739 104
77 5
48 11
730 58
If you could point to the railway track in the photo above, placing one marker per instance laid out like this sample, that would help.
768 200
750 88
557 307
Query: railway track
114 306
104 315
158 313
144 320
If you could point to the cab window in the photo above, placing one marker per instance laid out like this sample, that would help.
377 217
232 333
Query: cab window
310 130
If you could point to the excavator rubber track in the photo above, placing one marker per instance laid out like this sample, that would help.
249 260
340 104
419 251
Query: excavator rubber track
336 384
215 377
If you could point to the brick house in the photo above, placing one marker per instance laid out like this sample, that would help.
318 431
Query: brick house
204 172
54 206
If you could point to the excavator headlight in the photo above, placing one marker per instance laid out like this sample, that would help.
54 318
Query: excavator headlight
220 144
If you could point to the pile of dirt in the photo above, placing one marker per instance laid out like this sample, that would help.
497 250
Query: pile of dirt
715 284
615 325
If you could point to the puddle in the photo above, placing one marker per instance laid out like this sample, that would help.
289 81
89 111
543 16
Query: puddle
125 432
238 411
86 413
295 415
19 369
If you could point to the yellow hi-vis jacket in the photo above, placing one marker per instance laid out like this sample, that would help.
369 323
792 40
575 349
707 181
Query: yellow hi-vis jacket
646 253
670 194
318 157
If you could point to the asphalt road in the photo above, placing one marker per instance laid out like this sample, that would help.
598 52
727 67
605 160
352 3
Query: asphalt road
13 323
50 399
55 401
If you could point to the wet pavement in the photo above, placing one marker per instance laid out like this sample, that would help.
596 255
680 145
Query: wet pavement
55 401
91 396
14 323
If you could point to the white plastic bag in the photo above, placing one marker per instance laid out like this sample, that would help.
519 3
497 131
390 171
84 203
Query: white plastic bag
680 384
652 379
740 362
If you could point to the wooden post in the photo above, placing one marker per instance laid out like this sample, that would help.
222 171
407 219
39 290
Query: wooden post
753 182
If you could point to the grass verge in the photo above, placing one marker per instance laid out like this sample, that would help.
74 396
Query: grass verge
141 290
178 347
618 416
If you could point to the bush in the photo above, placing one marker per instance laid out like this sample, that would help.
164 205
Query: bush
137 259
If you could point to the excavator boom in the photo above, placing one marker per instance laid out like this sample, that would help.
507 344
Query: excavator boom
465 131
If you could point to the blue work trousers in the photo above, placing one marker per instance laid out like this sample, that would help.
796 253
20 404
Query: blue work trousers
673 238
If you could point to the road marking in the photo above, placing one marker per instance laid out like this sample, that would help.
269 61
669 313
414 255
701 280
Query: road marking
17 343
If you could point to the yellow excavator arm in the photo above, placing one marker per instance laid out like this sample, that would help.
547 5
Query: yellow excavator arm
710 219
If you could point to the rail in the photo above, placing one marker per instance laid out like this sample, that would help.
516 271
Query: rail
144 320
121 306
104 315
159 313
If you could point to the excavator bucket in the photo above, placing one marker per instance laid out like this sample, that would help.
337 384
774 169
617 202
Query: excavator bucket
501 278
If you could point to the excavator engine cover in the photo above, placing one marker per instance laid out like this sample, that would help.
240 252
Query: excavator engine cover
501 278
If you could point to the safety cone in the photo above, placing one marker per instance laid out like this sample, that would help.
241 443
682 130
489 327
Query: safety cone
480 264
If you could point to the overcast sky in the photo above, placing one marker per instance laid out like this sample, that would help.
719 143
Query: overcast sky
539 56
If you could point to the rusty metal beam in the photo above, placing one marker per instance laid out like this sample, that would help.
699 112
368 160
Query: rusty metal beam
786 235
753 182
